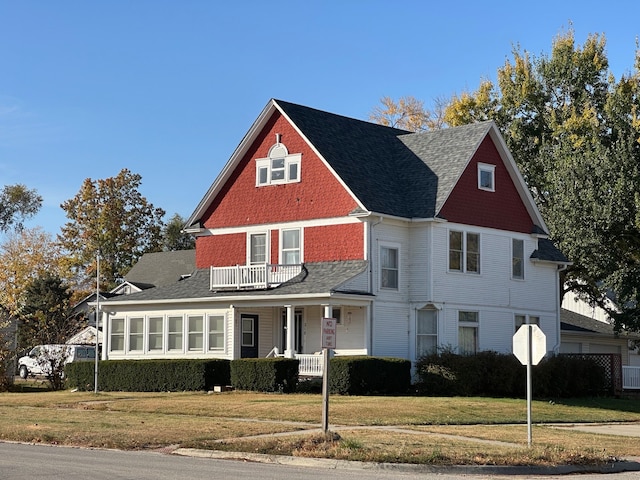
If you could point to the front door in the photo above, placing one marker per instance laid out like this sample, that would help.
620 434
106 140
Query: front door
249 336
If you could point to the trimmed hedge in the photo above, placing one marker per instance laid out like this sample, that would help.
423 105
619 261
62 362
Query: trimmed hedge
363 375
495 374
149 375
265 374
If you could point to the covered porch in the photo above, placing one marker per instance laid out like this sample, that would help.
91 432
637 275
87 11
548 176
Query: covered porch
294 331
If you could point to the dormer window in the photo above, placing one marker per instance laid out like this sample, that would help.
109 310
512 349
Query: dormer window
486 177
279 167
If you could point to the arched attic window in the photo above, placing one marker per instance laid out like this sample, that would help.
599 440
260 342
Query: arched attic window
279 167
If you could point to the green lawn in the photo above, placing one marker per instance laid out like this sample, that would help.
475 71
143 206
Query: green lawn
432 430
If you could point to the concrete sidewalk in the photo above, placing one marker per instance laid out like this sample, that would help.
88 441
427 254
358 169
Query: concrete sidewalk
630 429
630 464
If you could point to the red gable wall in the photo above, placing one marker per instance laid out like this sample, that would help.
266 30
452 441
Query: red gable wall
317 195
502 209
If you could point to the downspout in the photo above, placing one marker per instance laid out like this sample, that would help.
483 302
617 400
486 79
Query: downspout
560 268
371 225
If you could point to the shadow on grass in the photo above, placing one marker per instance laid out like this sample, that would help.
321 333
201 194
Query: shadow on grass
605 403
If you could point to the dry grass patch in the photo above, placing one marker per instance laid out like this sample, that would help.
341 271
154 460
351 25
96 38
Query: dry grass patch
394 447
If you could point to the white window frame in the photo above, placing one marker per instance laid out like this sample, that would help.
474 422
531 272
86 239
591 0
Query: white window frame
520 319
222 333
120 335
464 253
517 260
268 165
483 169
466 323
282 250
155 334
250 236
140 334
174 333
420 335
389 246
195 334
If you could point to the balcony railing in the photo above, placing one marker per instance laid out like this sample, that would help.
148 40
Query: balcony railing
252 276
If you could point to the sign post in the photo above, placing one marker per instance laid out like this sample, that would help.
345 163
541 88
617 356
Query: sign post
529 346
328 342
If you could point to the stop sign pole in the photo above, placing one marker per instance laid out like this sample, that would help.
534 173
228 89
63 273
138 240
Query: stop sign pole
529 346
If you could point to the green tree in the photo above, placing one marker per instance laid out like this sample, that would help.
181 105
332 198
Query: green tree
574 132
46 314
174 238
109 216
17 203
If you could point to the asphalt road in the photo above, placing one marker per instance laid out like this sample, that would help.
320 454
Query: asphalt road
29 462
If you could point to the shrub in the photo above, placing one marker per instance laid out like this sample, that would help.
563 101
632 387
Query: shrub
495 374
265 374
363 375
149 375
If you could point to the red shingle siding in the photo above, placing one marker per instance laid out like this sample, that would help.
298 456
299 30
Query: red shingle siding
502 209
317 195
334 242
221 250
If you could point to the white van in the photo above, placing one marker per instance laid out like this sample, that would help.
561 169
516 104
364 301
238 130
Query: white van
42 357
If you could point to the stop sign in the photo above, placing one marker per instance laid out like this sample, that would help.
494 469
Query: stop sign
521 344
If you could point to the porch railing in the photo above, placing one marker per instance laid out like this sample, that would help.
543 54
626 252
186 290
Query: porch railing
252 276
310 365
631 378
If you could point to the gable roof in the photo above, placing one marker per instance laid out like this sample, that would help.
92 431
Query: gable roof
161 268
387 170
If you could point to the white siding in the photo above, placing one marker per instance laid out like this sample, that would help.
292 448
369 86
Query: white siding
425 280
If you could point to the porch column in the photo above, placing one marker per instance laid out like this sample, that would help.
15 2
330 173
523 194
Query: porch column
289 351
328 311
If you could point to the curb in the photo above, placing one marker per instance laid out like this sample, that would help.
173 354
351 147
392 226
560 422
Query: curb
332 464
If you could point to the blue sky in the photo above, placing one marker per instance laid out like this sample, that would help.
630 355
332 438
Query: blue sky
168 89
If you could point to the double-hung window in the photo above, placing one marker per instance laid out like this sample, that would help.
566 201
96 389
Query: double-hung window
468 333
216 332
426 331
136 334
522 319
195 326
257 248
116 340
517 258
174 337
464 252
290 250
389 267
156 333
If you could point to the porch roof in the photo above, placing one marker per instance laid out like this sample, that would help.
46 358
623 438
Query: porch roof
316 278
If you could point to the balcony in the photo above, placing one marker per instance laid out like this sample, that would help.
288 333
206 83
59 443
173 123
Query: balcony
250 277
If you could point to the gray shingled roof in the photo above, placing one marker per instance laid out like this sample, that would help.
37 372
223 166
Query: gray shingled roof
162 268
326 277
574 322
389 170
547 251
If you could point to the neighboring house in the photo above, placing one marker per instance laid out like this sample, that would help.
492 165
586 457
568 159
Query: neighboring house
411 241
581 334
605 332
